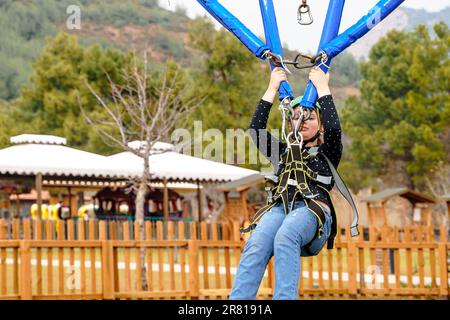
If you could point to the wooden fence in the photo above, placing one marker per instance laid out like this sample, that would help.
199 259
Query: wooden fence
198 261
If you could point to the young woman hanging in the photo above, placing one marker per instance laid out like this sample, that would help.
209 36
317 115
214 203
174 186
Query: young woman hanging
299 218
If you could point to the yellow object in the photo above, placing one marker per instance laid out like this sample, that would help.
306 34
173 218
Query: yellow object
54 212
44 211
82 212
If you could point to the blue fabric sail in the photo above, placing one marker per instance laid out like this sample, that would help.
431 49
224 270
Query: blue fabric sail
273 41
235 26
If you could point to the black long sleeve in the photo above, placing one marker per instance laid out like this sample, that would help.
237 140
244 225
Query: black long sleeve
267 144
332 145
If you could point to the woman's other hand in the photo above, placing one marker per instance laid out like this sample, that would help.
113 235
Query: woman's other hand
320 80
277 76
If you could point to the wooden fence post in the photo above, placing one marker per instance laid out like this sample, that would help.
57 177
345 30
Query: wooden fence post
25 270
107 263
194 290
351 261
443 264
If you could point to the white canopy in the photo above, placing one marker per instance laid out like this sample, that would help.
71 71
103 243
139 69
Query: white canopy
37 139
47 155
179 167
31 159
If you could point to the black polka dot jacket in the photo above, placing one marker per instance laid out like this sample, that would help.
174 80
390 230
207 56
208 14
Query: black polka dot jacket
272 148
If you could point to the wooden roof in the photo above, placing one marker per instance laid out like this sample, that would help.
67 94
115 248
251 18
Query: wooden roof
241 184
412 196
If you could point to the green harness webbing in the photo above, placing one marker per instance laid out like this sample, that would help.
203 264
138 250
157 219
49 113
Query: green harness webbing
297 173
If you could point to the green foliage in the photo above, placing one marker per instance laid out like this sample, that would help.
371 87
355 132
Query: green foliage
231 77
60 83
397 127
149 3
9 124
25 24
51 103
345 70
22 27
168 44
118 14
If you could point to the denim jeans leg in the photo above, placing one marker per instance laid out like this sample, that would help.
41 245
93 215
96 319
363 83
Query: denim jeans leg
298 228
256 254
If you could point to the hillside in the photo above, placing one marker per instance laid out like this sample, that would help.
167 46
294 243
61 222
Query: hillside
401 19
125 24
143 24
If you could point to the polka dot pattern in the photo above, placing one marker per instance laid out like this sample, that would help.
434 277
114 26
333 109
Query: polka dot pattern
332 146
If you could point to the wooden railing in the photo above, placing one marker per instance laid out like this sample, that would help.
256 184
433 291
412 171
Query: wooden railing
198 261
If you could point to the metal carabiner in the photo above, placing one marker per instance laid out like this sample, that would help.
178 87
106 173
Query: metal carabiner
287 113
276 60
320 57
296 142
304 9
312 61
286 105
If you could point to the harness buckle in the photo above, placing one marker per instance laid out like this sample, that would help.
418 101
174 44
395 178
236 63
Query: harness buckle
269 195
303 186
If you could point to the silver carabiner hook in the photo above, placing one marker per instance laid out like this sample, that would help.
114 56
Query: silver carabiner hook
287 114
296 142
303 10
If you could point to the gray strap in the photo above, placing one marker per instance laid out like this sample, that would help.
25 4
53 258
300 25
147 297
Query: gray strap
344 191
272 178
324 179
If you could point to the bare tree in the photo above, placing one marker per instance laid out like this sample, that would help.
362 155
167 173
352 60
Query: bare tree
138 110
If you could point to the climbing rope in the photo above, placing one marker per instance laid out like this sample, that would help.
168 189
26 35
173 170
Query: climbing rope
287 113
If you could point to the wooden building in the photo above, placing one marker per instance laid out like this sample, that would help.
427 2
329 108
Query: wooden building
416 208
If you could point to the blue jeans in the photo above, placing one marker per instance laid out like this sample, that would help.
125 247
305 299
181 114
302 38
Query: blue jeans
284 237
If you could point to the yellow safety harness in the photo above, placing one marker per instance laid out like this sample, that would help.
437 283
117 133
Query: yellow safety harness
297 173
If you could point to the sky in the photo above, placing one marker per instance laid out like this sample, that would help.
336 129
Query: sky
286 10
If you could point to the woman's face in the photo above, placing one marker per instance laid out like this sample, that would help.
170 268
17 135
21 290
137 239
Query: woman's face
310 126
